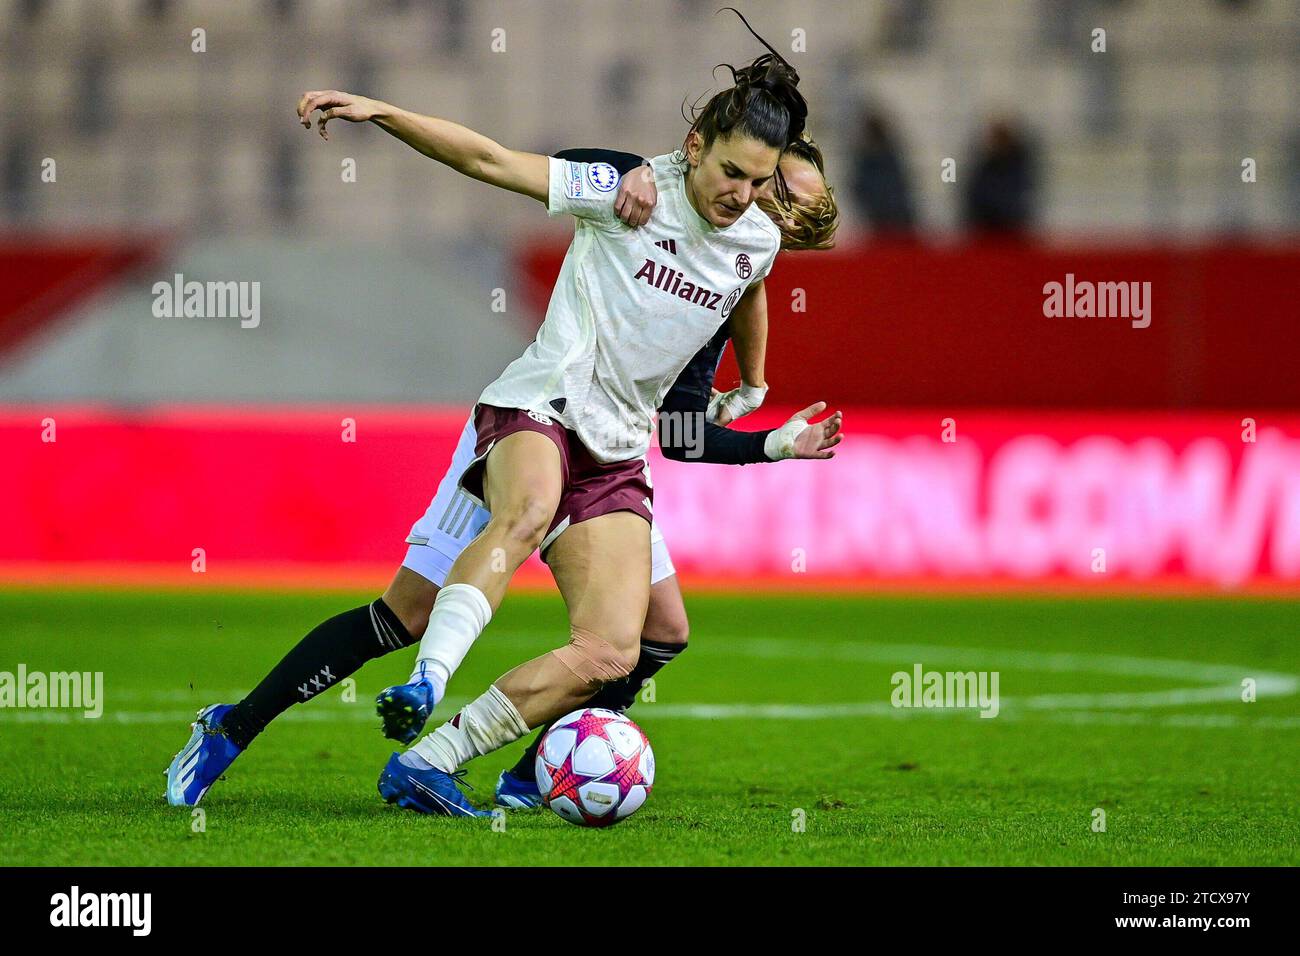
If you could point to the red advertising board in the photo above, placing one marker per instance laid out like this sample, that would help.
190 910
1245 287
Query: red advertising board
916 499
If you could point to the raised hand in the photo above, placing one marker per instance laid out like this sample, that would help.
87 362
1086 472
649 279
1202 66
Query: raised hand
818 438
798 438
335 104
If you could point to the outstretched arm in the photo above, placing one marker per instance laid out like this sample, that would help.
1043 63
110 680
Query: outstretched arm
685 435
459 147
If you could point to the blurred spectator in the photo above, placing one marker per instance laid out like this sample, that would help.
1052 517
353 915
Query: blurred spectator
361 69
284 178
621 79
29 10
1291 157
906 25
19 169
451 27
879 181
93 111
1060 24
1001 185
1103 84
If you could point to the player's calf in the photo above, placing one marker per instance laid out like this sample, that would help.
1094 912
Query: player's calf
332 651
620 695
518 785
534 693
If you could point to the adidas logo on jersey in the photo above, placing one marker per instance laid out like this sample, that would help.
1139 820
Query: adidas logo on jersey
669 280
669 244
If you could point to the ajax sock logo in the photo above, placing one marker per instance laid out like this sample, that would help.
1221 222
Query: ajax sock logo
316 684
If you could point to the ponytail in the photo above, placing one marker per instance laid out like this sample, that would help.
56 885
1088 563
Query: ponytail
764 102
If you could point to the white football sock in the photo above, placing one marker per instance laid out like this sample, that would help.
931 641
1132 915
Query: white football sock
482 726
459 615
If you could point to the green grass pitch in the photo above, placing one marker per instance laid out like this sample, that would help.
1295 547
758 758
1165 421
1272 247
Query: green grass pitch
775 738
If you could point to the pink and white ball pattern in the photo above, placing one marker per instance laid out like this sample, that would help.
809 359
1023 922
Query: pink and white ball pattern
595 768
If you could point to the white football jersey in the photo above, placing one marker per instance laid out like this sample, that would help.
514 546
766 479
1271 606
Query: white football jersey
630 307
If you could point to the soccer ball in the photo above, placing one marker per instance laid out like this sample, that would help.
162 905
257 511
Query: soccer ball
595 768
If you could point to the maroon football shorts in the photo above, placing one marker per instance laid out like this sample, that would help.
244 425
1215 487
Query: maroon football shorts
589 488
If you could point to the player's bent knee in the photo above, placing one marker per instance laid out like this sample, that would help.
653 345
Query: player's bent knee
671 631
594 660
631 657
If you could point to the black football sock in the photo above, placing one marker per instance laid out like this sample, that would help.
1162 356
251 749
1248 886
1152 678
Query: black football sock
332 651
617 695
525 769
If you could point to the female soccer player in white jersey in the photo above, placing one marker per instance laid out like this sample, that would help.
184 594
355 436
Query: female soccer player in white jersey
807 221
338 647
505 169
563 431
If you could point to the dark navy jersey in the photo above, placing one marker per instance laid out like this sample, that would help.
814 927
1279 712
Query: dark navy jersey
689 394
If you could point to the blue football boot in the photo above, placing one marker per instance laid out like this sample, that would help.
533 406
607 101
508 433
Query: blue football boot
404 708
205 758
514 793
428 791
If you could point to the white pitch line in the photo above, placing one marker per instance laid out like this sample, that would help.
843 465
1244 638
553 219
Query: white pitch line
1224 680
327 714
1224 685
992 658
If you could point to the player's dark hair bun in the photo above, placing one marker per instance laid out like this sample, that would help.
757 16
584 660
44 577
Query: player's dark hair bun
771 75
764 101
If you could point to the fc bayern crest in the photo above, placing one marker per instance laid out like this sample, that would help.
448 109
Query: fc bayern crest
602 176
743 267
730 304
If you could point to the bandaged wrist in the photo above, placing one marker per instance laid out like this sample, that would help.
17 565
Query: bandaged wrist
779 443
738 402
